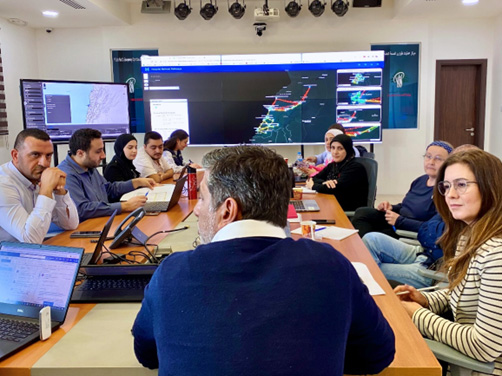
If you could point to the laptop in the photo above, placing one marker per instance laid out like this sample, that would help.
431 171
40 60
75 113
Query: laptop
113 283
305 205
93 258
168 201
33 276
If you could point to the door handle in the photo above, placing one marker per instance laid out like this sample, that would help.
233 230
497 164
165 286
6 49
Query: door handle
470 129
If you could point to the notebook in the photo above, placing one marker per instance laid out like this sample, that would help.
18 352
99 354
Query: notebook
113 283
93 258
33 276
305 205
161 198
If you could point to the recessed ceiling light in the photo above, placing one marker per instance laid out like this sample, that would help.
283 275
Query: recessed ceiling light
50 13
470 2
17 21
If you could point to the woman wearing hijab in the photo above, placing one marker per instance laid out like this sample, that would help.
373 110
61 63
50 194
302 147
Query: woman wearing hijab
344 177
121 168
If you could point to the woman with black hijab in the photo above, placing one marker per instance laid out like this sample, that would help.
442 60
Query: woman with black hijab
344 177
121 168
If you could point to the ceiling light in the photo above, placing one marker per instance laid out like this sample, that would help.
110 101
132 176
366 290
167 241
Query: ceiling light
339 7
183 10
208 10
293 8
237 10
316 7
470 2
17 21
50 13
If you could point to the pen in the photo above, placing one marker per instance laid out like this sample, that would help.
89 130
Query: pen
320 228
146 194
422 289
394 228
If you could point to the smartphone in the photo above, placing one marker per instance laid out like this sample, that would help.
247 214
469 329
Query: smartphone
325 221
85 234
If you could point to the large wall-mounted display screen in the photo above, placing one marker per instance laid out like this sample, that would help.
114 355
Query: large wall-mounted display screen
61 107
264 98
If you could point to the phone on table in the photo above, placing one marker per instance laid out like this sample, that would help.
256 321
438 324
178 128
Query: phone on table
85 234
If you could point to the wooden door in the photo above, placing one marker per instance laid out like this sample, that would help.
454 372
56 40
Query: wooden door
460 101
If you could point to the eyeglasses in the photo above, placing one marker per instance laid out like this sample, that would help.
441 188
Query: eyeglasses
437 158
460 186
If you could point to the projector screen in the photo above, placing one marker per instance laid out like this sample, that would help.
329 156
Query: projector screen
61 107
265 98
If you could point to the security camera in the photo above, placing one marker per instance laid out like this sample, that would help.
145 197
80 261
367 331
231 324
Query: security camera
49 30
260 27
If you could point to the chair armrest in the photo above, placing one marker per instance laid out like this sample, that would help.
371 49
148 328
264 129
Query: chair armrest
433 274
350 214
409 241
454 357
407 234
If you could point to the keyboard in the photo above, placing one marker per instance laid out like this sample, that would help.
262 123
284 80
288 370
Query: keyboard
298 205
153 206
122 283
305 205
16 330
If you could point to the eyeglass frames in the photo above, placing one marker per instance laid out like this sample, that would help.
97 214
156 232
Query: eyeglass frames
460 186
437 158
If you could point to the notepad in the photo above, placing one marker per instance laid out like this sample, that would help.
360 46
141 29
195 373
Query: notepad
330 232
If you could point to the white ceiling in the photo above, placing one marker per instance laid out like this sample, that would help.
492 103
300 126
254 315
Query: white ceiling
118 12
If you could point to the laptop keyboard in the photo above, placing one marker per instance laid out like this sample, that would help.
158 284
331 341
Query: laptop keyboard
136 283
15 330
298 204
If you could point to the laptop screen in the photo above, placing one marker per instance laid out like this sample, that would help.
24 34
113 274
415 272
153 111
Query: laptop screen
33 276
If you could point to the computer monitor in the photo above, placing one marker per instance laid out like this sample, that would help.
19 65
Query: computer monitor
264 98
61 107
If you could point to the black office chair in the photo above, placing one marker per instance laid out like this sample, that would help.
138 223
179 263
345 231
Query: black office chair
371 167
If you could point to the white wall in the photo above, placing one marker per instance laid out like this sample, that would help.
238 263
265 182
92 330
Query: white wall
84 54
19 59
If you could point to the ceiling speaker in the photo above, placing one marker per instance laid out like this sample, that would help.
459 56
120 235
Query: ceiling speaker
366 3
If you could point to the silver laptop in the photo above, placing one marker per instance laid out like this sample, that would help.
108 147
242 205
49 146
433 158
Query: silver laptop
305 205
33 276
170 201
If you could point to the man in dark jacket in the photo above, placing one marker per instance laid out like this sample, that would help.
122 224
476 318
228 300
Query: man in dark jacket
251 301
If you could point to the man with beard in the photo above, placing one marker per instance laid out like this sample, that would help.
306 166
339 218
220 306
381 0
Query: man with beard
149 162
93 195
33 194
250 301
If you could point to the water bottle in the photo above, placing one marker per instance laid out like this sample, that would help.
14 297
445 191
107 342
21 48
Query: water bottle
192 183
299 159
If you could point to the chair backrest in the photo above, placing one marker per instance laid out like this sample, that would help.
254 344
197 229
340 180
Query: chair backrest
371 167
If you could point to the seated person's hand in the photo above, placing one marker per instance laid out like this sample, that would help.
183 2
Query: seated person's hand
195 165
311 159
331 183
309 183
145 182
384 206
306 170
391 217
134 203
52 180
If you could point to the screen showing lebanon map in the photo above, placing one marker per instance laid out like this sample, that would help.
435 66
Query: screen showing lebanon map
264 99
59 108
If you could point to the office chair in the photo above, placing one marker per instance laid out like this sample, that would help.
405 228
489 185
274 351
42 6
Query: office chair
460 364
371 167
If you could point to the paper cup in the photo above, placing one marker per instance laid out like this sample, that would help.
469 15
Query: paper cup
297 193
308 229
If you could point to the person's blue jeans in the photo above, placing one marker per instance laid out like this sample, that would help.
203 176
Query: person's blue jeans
397 260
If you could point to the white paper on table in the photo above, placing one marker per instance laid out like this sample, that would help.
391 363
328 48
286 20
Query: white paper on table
365 275
334 232
160 193
306 190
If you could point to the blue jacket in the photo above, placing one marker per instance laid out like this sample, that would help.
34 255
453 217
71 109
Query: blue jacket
428 235
261 306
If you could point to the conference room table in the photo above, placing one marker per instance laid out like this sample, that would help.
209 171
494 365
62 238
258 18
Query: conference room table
95 339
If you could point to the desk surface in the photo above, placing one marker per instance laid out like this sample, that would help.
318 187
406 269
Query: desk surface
100 343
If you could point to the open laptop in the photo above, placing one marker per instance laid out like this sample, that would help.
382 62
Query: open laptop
33 276
93 258
305 205
166 203
113 283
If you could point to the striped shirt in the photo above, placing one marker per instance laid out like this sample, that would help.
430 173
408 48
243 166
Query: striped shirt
476 304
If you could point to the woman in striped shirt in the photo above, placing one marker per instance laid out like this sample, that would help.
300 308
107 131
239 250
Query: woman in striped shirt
468 195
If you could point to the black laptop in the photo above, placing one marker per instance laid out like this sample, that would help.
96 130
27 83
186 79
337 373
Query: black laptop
33 276
113 283
93 258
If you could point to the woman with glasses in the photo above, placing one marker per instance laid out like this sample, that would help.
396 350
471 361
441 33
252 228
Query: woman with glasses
468 197
344 177
417 206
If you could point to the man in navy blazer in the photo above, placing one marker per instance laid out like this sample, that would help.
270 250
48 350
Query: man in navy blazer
251 301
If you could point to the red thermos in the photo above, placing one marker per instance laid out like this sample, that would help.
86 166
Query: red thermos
192 183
